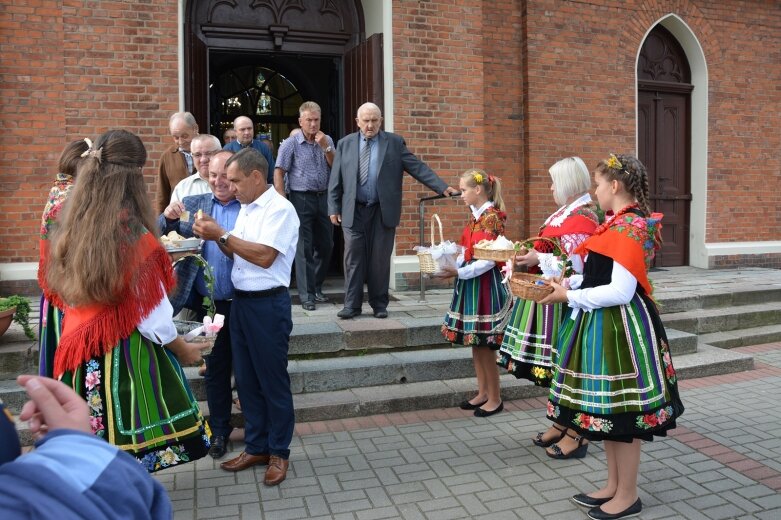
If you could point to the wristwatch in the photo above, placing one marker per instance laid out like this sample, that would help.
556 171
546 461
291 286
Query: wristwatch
224 238
329 149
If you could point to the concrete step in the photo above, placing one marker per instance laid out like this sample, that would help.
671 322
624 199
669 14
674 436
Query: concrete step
447 393
743 337
715 297
705 321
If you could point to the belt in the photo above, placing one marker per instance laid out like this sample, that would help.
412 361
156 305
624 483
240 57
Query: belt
311 192
260 294
365 204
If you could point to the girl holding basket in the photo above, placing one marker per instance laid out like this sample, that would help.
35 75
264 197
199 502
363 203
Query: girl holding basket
532 329
481 303
613 377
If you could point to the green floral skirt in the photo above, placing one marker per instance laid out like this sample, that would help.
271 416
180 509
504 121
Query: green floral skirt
140 401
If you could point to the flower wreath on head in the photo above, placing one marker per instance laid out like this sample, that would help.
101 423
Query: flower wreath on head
614 164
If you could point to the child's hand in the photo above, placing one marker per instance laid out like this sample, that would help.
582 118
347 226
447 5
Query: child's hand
529 259
559 295
446 272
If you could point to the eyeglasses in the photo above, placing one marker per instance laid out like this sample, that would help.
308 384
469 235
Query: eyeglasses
205 154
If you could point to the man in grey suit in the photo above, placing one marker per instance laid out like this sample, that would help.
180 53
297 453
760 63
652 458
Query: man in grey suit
364 197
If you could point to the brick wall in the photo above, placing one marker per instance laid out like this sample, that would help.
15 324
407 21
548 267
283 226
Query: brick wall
72 69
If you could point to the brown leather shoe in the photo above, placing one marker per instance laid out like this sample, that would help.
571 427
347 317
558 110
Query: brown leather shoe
276 471
244 461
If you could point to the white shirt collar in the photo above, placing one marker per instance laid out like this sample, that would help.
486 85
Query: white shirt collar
476 212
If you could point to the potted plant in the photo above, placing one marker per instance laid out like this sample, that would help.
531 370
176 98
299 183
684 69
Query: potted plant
16 308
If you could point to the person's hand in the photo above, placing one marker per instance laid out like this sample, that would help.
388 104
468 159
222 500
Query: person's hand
207 228
174 210
445 272
187 353
559 295
451 192
52 406
529 259
321 139
336 220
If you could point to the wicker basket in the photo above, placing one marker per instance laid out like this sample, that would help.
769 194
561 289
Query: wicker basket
497 255
533 286
183 327
427 263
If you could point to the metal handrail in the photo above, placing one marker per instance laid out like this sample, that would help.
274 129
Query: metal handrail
421 229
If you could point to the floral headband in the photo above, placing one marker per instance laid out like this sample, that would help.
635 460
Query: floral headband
91 151
478 177
614 164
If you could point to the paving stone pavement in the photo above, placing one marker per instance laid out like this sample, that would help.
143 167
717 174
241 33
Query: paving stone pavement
722 462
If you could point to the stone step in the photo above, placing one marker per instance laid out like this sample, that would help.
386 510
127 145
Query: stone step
447 393
721 319
715 297
743 337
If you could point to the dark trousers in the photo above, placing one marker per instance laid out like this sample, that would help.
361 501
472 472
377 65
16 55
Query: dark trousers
260 329
368 245
315 241
219 365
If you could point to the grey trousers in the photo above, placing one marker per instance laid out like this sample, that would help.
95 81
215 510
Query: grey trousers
368 245
315 241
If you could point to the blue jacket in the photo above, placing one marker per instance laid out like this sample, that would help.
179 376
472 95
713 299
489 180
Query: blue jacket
260 146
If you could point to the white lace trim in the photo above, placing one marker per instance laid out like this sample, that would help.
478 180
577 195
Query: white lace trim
560 215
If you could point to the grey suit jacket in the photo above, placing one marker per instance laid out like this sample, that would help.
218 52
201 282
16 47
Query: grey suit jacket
394 159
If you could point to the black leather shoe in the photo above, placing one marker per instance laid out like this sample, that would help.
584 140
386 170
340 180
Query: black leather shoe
382 314
218 448
348 313
466 405
481 412
633 510
320 297
308 306
584 500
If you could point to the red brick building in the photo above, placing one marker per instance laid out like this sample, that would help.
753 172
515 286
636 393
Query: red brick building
690 85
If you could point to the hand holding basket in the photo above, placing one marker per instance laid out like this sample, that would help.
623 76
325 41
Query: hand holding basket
533 286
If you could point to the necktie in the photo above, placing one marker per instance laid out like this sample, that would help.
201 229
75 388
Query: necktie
366 154
189 160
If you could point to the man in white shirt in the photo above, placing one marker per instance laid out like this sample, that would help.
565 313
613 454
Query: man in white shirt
203 146
263 246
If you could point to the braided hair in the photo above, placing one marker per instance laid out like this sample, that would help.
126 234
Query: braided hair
629 171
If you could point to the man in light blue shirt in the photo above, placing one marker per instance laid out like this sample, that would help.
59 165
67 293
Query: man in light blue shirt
245 132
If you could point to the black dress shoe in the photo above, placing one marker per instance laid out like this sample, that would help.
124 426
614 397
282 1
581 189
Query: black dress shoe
466 405
348 313
381 314
584 500
633 510
320 297
481 412
308 306
218 448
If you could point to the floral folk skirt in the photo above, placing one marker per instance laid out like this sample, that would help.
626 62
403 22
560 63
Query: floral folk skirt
528 340
479 311
49 331
613 377
140 401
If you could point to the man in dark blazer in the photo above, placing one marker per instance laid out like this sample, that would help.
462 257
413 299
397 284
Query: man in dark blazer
220 204
364 197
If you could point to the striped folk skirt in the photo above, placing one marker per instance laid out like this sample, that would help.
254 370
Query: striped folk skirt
613 377
479 311
140 401
49 330
528 340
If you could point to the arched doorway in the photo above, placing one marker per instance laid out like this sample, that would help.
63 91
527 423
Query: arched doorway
664 137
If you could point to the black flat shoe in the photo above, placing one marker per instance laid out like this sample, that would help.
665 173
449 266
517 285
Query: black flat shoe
577 453
348 313
218 449
584 500
320 297
544 444
480 412
466 405
308 306
633 510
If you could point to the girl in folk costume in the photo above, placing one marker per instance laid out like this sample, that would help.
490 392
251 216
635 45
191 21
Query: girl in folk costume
533 327
51 310
119 347
613 377
481 303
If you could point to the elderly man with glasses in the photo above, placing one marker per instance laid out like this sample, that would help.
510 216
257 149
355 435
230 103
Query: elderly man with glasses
202 147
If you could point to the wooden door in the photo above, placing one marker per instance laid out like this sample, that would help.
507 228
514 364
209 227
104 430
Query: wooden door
663 125
363 79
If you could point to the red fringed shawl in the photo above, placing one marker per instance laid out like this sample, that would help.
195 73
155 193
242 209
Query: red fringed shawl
628 239
91 331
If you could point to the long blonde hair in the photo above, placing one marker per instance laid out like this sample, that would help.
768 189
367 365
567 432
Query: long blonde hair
92 248
490 184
